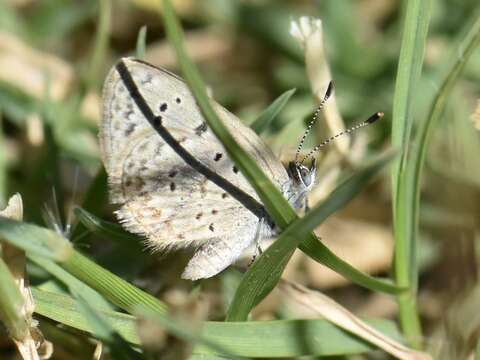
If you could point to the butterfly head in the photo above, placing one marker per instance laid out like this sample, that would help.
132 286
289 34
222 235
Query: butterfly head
302 180
302 175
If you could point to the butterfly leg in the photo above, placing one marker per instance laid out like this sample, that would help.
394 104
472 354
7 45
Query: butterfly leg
258 239
307 205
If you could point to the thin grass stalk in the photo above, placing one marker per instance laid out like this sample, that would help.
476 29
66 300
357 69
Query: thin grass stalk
452 71
416 21
101 43
117 290
11 304
141 43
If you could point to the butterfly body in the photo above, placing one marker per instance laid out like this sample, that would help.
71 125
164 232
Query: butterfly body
174 180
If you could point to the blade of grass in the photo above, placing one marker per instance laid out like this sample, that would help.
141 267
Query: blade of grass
70 281
46 243
127 257
65 310
416 21
264 274
97 194
141 43
185 332
103 330
35 239
11 304
101 43
280 338
451 71
107 229
265 119
115 289
277 206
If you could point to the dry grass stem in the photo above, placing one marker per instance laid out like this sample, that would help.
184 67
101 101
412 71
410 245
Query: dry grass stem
335 313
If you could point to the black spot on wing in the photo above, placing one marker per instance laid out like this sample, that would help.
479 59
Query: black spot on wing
130 129
218 156
147 79
163 107
199 130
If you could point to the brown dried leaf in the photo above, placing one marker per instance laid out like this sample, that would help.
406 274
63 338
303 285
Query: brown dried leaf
202 46
31 70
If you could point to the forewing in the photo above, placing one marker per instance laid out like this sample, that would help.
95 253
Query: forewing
162 197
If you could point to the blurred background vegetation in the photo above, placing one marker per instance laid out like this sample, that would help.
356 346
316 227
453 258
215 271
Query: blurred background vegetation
54 55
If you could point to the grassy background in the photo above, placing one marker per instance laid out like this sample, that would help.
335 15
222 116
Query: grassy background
54 56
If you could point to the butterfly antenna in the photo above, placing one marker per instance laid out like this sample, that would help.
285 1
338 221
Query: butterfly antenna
314 119
325 142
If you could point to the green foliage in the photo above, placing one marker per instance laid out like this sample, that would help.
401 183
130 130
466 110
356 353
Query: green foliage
83 279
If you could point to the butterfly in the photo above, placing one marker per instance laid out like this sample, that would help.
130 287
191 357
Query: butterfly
173 179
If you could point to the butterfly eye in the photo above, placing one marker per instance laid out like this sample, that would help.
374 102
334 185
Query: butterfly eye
305 175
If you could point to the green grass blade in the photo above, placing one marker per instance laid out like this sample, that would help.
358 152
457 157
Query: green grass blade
141 43
70 281
416 21
266 117
264 274
128 256
97 194
64 309
11 304
101 329
115 289
460 54
277 339
185 332
107 229
37 241
101 43
414 36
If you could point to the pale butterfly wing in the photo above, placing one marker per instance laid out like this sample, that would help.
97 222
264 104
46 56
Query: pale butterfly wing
162 197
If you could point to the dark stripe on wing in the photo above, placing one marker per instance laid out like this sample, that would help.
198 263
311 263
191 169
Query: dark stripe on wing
156 121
